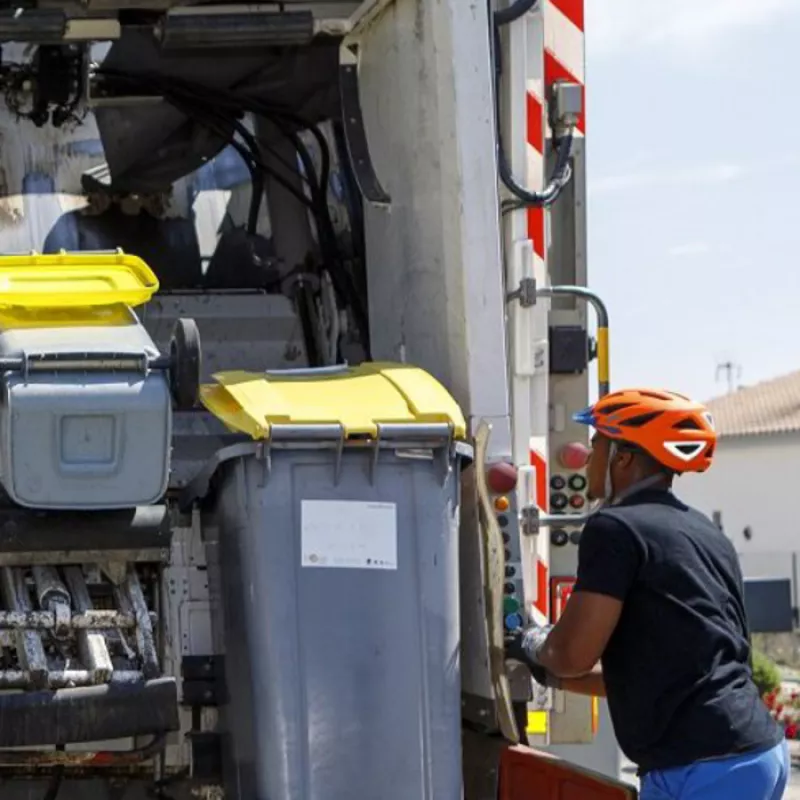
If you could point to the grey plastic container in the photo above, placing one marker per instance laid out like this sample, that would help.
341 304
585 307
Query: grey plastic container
83 440
341 659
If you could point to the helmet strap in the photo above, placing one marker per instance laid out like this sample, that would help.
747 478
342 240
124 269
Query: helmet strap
608 494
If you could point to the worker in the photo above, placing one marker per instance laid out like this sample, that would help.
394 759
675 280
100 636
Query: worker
656 621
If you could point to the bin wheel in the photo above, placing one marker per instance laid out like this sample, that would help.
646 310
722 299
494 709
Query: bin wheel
185 363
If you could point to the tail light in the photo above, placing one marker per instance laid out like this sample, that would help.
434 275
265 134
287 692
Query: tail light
501 477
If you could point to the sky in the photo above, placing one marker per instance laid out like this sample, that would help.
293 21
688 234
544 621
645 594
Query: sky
694 188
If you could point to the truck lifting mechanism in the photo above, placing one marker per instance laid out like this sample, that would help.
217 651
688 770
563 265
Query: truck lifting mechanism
285 442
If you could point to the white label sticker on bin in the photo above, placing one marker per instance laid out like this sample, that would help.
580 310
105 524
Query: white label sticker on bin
349 534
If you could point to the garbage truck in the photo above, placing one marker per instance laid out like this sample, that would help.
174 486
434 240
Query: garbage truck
293 313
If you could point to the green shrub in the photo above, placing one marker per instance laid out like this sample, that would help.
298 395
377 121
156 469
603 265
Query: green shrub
765 673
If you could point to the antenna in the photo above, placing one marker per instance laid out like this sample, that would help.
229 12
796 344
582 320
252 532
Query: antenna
732 372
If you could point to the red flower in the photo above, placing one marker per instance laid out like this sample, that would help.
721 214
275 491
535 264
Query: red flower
791 731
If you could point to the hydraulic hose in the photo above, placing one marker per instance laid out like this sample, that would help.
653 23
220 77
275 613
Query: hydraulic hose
54 789
505 16
558 180
562 172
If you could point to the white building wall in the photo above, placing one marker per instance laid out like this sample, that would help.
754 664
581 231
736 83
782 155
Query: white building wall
754 483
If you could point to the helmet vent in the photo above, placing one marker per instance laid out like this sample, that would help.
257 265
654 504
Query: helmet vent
687 424
685 451
655 395
688 449
613 408
640 420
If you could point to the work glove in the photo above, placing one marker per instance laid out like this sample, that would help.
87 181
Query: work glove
523 645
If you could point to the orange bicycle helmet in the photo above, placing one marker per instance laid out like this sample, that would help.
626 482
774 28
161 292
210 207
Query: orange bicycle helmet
674 430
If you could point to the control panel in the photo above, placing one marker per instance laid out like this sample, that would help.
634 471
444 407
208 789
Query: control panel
505 506
568 494
574 717
501 480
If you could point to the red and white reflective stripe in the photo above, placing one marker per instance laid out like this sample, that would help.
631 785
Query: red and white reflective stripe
541 485
564 60
542 581
535 123
536 231
539 464
564 47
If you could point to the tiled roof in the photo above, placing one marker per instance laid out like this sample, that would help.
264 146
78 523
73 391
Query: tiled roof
769 407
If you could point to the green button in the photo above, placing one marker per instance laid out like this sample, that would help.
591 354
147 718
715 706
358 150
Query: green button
510 605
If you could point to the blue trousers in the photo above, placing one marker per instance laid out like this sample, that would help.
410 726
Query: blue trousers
761 775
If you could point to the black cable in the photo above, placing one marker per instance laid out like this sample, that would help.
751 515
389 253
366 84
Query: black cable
305 309
187 97
253 166
256 174
257 185
55 781
352 195
157 788
217 109
558 180
237 104
505 16
211 110
344 282
284 162
562 172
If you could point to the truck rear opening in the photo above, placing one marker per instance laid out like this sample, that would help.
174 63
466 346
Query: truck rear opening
219 224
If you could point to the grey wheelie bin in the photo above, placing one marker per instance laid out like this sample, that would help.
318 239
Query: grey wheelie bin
336 534
85 396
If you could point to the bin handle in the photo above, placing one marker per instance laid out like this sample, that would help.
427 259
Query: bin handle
335 369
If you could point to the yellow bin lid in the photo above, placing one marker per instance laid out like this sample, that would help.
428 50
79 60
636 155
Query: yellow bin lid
357 398
63 280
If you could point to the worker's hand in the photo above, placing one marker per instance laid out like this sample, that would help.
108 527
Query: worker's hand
523 644
544 678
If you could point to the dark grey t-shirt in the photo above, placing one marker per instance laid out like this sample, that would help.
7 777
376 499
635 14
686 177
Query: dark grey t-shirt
677 667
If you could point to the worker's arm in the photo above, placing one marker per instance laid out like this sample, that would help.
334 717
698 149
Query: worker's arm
609 559
591 684
576 643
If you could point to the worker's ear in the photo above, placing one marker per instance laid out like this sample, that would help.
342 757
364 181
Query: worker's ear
624 459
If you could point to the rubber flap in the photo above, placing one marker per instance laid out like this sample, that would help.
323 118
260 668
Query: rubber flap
68 280
357 398
89 714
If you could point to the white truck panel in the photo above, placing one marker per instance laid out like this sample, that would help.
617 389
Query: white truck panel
435 283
